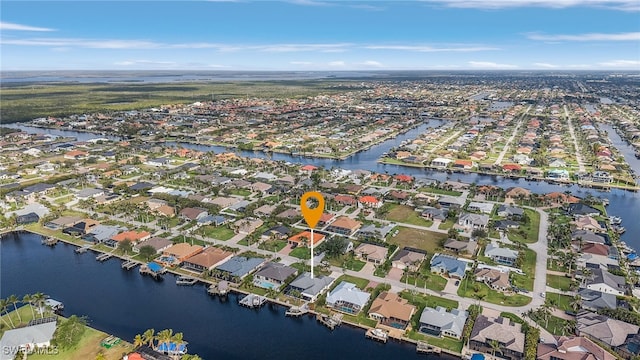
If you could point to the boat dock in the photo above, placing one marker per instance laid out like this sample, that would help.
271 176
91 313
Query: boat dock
82 249
186 280
424 348
253 301
330 321
377 334
103 257
296 311
49 241
128 265
152 269
221 288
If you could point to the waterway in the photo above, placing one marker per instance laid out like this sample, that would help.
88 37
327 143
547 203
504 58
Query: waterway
125 303
621 203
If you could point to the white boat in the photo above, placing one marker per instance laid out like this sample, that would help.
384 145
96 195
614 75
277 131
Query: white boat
186 280
55 305
615 220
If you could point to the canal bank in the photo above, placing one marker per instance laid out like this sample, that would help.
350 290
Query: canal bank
124 303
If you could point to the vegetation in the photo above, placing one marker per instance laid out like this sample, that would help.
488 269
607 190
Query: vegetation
405 214
419 239
559 282
473 289
622 314
69 332
531 339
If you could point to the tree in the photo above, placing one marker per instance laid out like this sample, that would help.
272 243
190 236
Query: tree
495 346
70 331
147 252
3 308
138 341
148 337
13 300
479 233
576 303
28 300
39 299
125 246
100 355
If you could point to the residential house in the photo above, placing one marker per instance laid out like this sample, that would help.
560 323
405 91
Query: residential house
81 228
101 233
273 275
308 288
193 214
368 201
278 232
495 279
611 332
347 298
408 258
264 210
572 348
391 310
606 282
344 226
440 162
371 232
372 253
448 265
157 243
461 247
432 213
439 322
133 236
586 236
176 254
587 223
594 300
517 193
89 193
501 255
482 207
511 212
345 200
207 259
580 209
304 239
601 177
236 268
451 202
26 339
247 225
474 221
507 334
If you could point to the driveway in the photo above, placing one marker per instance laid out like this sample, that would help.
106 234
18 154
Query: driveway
394 274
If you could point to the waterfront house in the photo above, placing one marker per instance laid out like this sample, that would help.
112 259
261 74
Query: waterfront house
482 207
606 282
474 221
572 348
495 279
133 236
517 193
101 233
586 236
207 259
81 228
26 339
273 275
157 243
448 265
587 223
308 288
176 254
344 226
439 322
440 162
372 232
511 212
236 268
347 298
501 255
408 258
580 209
558 174
611 332
372 253
508 335
601 177
304 239
461 247
391 310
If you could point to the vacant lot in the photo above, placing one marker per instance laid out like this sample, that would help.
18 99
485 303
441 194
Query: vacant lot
406 214
419 239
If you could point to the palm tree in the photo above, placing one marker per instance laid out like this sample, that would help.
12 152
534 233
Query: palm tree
569 327
39 299
148 337
164 336
138 341
178 339
576 303
495 346
3 308
100 355
28 300
13 300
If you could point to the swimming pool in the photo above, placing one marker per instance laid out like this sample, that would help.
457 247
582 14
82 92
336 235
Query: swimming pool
264 284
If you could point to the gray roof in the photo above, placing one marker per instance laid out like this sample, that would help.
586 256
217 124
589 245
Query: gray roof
372 230
511 210
349 293
311 287
600 276
493 250
476 219
481 206
85 193
105 232
588 236
276 271
446 199
449 263
447 321
609 331
240 205
592 299
37 208
240 265
35 334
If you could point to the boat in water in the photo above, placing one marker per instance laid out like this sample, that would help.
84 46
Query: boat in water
186 280
615 220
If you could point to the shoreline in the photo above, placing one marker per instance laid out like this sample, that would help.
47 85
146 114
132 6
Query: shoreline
234 289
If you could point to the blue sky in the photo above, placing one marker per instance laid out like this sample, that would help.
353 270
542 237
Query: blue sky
320 35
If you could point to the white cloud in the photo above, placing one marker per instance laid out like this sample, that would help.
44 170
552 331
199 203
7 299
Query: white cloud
309 3
490 65
338 47
623 5
420 48
84 43
368 7
337 63
372 63
300 63
629 36
631 64
20 27
545 65
144 62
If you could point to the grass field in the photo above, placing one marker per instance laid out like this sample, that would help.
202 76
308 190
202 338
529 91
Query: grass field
529 267
218 232
419 239
406 214
22 102
559 282
427 280
473 289
562 302
301 253
360 283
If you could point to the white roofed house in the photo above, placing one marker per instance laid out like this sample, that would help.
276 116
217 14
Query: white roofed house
439 322
347 298
501 255
474 221
26 339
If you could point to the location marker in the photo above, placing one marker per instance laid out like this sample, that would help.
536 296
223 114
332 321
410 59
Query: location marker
312 216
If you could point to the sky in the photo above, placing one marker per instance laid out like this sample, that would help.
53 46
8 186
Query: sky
310 35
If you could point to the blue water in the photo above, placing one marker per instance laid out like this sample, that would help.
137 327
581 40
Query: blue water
125 303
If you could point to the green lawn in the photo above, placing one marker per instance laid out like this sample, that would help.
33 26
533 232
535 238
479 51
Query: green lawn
444 342
406 214
301 253
353 264
513 317
447 224
555 325
559 282
360 283
562 302
435 190
422 300
473 289
419 239
429 281
527 233
273 245
218 232
556 265
529 267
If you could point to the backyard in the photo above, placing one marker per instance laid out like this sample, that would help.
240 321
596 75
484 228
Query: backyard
477 290
406 214
419 239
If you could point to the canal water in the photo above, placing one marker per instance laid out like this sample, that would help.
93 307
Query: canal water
125 303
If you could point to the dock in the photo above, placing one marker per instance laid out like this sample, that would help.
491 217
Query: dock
83 249
103 257
424 348
220 289
296 311
377 334
253 301
186 280
152 269
331 322
49 241
128 265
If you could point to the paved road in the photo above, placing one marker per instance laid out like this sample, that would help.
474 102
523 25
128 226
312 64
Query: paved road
581 166
513 136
